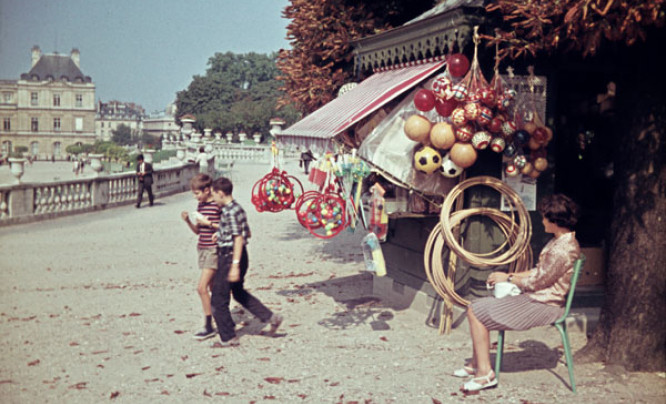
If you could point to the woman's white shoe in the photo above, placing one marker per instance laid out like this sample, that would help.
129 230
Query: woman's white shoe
481 382
465 371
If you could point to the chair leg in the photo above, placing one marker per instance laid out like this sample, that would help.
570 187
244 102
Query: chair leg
562 328
498 355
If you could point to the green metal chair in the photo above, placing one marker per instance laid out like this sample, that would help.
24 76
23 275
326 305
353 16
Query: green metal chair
560 324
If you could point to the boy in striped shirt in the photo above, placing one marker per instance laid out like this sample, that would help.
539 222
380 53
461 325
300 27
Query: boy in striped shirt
205 225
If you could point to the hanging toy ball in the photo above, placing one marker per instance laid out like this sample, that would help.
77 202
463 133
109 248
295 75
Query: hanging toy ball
485 115
424 100
488 96
464 133
529 127
508 127
445 107
481 140
441 87
458 64
458 117
503 102
533 144
527 168
497 144
521 137
427 160
471 111
520 161
463 154
417 128
442 135
495 125
459 92
540 135
510 150
450 169
540 164
511 170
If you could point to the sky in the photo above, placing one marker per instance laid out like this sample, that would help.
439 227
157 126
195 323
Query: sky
141 51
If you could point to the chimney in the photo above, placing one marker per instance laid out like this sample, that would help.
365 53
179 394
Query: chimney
36 54
76 57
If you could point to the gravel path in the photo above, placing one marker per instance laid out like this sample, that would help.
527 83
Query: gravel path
102 306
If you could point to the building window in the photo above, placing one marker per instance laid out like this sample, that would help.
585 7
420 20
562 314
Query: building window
7 97
56 124
34 148
78 124
34 99
79 100
34 124
6 124
56 100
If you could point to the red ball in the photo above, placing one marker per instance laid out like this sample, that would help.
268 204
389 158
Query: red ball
458 64
495 125
424 100
444 107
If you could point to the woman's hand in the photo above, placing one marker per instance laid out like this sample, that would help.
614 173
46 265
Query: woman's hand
495 277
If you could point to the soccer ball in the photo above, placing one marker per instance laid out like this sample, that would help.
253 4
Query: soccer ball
427 160
450 169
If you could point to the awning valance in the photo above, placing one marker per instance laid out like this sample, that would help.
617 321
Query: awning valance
321 126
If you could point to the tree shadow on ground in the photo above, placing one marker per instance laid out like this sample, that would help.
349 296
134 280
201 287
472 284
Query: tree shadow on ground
354 303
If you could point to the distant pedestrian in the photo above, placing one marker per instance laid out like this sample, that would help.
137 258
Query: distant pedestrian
82 164
202 159
206 248
144 172
233 261
306 158
77 167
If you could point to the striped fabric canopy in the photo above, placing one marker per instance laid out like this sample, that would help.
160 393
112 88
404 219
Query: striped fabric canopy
318 128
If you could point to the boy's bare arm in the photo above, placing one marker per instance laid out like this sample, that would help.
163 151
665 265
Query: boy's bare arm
234 271
186 217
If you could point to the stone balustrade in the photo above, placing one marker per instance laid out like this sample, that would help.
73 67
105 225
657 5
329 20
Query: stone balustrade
27 202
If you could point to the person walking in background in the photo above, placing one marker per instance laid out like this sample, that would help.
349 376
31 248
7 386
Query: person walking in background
206 248
144 172
233 261
306 158
77 167
202 159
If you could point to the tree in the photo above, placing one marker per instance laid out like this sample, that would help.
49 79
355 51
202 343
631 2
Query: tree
122 135
320 60
239 91
631 330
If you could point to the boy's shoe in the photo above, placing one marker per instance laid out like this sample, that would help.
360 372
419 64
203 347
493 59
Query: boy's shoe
275 322
205 334
225 344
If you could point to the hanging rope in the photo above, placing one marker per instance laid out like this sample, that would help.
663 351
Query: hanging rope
514 251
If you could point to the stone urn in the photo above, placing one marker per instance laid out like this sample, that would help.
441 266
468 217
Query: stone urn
148 155
17 167
229 136
257 137
218 135
242 136
207 133
96 163
180 153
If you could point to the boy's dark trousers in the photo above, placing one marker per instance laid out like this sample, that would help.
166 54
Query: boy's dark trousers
220 297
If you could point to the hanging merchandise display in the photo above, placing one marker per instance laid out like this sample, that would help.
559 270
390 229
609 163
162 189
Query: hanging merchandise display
276 191
378 217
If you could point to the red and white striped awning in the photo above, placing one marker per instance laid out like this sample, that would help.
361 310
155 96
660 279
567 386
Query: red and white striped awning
347 109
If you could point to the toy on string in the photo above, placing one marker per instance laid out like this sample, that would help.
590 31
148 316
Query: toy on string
276 191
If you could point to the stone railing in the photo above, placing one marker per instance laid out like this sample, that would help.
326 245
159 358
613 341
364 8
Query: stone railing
28 202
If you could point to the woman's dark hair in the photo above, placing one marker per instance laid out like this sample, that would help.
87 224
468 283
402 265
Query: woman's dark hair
560 210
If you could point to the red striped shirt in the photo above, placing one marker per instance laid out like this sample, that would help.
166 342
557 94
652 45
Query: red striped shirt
212 212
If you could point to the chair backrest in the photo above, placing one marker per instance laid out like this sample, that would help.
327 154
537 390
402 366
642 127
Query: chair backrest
578 266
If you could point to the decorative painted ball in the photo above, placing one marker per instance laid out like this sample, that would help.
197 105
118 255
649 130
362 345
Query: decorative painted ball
444 107
488 96
508 127
511 170
540 135
441 86
521 137
529 127
510 93
417 128
540 163
520 161
458 64
495 124
481 140
427 160
503 102
533 144
459 92
424 100
510 150
458 117
464 133
450 169
527 168
463 154
497 144
534 173
442 135
474 96
471 111
485 115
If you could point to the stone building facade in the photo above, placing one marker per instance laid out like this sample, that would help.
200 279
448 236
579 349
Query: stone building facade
49 108
112 114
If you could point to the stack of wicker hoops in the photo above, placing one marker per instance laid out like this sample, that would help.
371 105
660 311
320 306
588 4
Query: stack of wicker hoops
515 251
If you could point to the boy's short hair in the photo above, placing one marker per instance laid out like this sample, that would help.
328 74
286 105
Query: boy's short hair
200 182
223 184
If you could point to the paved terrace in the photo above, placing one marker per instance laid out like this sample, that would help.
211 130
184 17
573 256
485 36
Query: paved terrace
101 306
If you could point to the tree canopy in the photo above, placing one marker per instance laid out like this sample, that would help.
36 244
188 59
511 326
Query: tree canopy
238 91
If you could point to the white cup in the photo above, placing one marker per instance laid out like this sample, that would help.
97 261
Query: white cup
503 289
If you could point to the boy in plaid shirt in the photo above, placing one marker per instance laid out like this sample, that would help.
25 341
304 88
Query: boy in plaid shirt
232 238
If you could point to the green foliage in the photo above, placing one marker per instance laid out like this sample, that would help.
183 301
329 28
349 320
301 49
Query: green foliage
18 152
239 91
122 135
75 149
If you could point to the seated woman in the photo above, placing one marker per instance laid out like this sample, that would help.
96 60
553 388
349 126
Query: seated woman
546 288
